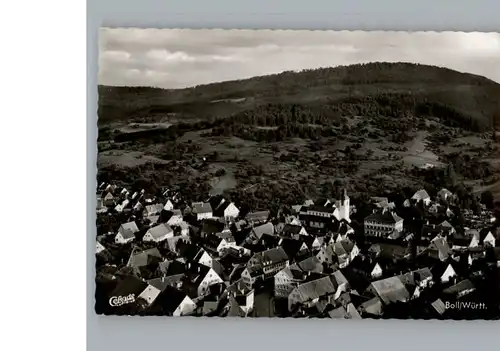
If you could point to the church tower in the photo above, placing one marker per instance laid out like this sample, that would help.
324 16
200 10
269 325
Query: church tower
345 208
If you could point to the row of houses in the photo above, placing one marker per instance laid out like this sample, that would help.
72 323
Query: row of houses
207 259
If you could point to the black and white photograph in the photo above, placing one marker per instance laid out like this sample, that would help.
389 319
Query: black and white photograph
298 173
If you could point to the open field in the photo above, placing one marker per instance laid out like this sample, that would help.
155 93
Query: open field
252 138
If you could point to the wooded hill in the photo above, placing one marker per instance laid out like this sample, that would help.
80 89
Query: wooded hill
387 89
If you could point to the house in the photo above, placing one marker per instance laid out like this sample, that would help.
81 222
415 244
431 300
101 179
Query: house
489 239
184 228
445 275
339 312
444 194
152 210
460 289
101 208
169 206
120 207
292 231
257 217
309 293
439 307
126 233
242 296
376 271
420 278
434 208
138 206
392 252
341 252
372 307
257 232
293 248
422 195
158 233
110 188
383 223
174 217
217 244
149 294
99 248
346 250
199 279
474 239
109 199
440 249
389 290
174 302
202 210
144 258
288 279
265 264
326 254
447 227
153 219
319 211
316 222
313 242
226 210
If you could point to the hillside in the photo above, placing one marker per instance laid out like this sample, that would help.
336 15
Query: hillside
407 88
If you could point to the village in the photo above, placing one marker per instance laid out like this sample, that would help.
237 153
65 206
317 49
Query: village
160 255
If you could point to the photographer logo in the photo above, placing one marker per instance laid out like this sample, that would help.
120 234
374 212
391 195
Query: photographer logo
116 301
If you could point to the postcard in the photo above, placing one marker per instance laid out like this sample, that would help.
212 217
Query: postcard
297 173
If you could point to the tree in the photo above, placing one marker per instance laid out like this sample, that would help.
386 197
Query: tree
451 175
487 199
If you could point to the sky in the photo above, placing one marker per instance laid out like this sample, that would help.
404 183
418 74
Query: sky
179 58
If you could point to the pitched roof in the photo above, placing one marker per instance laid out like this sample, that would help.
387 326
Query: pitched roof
384 217
156 208
339 312
318 219
160 230
201 207
153 219
162 283
389 250
441 245
175 268
274 255
291 229
411 278
444 192
127 234
188 251
99 247
259 216
372 306
316 288
128 226
169 299
420 195
266 228
460 287
390 290
439 306
291 246
268 241
311 264
143 258
315 208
